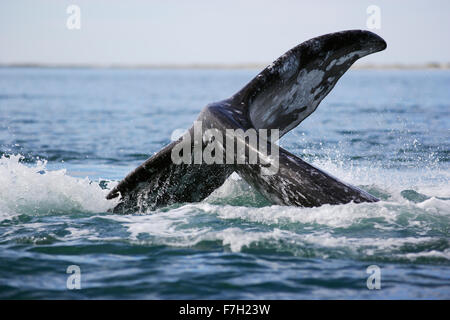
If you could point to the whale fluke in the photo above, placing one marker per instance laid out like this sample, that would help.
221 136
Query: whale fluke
280 97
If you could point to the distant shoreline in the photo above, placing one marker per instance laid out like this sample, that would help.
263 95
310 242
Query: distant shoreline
433 66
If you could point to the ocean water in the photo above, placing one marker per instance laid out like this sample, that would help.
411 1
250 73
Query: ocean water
69 135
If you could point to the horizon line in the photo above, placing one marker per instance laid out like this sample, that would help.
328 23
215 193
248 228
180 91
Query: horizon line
224 66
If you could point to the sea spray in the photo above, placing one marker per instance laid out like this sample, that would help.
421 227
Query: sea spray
33 189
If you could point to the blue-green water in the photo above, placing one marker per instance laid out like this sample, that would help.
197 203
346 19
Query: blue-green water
68 135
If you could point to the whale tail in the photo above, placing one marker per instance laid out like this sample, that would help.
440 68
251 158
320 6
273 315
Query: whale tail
280 97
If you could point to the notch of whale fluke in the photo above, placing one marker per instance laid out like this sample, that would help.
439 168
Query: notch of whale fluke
279 97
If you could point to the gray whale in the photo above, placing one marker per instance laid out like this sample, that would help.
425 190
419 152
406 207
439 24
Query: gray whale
280 97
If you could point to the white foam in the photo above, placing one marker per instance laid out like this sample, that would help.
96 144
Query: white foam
328 215
170 230
77 233
32 189
180 228
428 254
436 206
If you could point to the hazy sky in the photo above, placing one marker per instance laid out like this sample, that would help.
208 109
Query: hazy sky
206 31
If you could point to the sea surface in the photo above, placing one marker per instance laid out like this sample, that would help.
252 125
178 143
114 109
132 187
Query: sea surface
67 136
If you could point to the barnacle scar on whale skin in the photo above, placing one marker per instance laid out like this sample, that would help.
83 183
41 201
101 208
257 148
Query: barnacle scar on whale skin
279 97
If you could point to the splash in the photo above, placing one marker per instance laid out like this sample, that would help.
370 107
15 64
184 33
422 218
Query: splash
35 190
